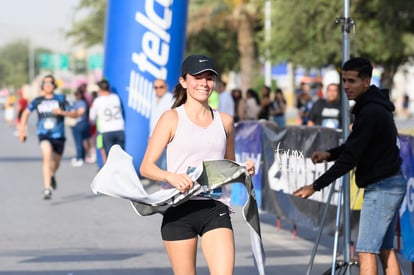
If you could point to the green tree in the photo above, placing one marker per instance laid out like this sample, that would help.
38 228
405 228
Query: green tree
89 30
305 32
239 19
14 64
223 29
219 44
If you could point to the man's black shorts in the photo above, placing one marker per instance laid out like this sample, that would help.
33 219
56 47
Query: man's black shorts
194 218
58 144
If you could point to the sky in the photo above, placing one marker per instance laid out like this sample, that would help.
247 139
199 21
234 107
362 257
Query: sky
44 22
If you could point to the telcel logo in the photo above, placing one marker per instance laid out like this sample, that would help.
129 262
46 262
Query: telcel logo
154 56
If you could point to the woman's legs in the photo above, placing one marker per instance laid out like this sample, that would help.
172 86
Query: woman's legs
207 218
218 249
182 255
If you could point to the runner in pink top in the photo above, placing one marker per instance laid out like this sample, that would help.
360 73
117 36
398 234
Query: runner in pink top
192 132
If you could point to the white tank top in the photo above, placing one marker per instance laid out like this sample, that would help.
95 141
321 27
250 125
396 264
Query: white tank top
193 144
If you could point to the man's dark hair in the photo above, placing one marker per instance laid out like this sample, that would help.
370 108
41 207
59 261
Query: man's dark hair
359 64
103 85
53 80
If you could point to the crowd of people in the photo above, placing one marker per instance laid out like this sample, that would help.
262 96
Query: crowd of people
321 109
252 106
96 121
191 111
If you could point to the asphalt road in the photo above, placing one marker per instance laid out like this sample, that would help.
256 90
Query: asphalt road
78 232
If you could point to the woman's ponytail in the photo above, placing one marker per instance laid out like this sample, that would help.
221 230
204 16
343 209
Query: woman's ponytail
180 95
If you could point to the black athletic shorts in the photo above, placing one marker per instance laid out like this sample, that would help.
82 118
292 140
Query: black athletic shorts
58 144
194 218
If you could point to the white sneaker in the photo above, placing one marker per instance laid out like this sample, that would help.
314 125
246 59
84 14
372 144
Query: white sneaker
77 162
91 159
47 194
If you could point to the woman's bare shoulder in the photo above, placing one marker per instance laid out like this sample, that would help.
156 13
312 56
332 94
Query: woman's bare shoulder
169 116
226 118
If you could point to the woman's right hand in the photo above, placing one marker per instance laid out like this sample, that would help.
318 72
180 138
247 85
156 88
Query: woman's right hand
182 182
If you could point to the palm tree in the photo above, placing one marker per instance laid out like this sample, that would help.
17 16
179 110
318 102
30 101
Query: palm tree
89 30
241 16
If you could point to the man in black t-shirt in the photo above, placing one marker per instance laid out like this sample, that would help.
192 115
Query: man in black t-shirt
326 112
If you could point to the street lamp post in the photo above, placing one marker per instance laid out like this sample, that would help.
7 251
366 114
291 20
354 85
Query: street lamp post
31 64
268 66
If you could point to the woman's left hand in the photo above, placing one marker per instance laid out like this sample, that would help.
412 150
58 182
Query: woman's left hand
250 167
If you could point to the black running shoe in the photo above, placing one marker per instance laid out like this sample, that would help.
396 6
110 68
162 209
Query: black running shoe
53 183
47 194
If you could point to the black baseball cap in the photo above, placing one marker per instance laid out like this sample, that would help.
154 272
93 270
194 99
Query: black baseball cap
197 64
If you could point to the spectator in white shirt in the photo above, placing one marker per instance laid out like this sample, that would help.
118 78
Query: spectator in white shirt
226 102
162 102
107 109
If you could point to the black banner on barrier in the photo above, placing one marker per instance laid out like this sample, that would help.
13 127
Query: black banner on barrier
287 166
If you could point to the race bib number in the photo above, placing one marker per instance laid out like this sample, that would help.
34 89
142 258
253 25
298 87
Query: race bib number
49 123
